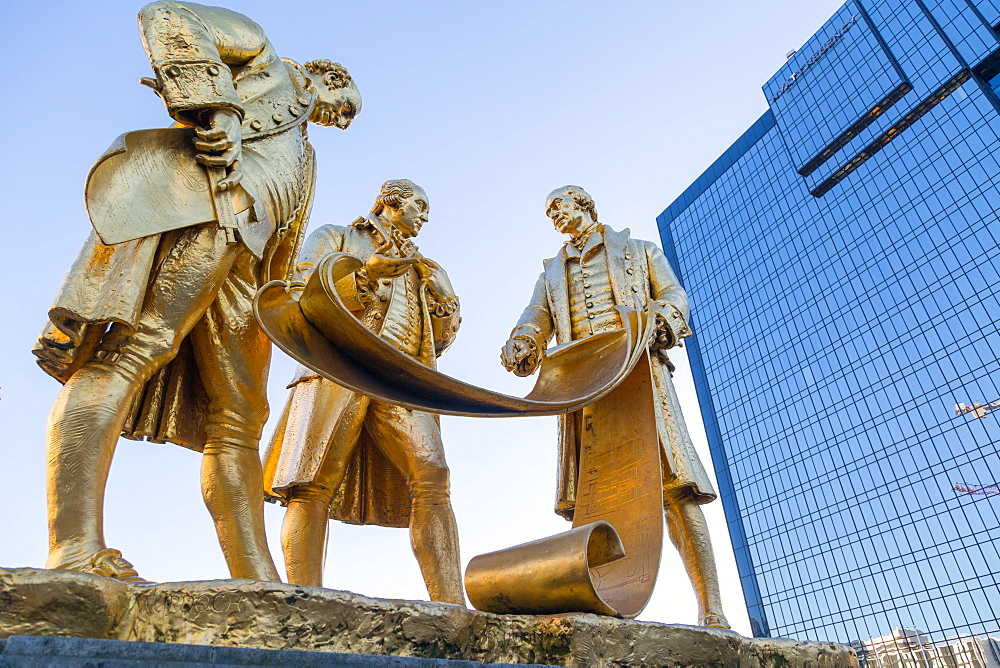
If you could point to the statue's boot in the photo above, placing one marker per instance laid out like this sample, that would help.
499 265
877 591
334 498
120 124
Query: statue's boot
434 538
303 534
232 486
715 620
109 563
83 431
689 533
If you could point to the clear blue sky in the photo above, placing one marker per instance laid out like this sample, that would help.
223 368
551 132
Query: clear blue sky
488 106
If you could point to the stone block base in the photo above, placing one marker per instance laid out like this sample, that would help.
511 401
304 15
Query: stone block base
266 615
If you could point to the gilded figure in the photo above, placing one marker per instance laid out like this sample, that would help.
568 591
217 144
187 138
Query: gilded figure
575 297
155 338
343 455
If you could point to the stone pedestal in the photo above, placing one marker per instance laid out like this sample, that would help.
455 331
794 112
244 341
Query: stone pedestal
259 615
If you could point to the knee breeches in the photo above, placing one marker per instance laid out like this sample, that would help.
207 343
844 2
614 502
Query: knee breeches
410 440
201 289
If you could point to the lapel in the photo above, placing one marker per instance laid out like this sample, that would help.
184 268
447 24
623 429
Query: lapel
427 354
616 248
558 294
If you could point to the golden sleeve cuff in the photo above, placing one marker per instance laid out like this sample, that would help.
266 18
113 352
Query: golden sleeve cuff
191 86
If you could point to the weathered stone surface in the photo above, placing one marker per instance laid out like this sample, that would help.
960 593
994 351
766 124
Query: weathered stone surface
244 613
38 602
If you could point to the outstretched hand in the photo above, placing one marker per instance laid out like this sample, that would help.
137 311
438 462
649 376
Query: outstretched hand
383 265
516 356
220 142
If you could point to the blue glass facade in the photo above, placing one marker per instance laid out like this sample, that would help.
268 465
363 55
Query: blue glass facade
843 263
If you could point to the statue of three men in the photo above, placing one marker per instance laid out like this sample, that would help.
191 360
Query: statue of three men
155 338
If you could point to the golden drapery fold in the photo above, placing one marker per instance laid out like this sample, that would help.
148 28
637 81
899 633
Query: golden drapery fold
318 330
107 284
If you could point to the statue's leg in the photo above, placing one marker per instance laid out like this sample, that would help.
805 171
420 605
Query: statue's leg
303 533
82 433
412 442
689 533
233 357
331 417
86 419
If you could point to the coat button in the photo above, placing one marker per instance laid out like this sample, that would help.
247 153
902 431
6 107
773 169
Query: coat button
378 316
173 71
293 110
304 101
590 315
255 124
590 304
586 285
635 289
277 118
588 294
213 70
629 271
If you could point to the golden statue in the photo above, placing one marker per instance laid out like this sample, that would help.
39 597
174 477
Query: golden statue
154 336
342 455
576 297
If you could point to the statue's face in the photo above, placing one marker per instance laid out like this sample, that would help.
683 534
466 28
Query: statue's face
411 215
567 217
336 106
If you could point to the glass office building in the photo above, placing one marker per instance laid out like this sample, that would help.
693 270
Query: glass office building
842 259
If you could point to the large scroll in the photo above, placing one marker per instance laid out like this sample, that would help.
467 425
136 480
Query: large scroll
319 331
606 564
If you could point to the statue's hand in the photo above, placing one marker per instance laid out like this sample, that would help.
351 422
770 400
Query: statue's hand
520 356
220 140
670 327
665 338
434 276
382 265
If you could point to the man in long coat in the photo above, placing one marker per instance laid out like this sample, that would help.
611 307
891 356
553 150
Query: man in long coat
338 454
597 269
155 338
